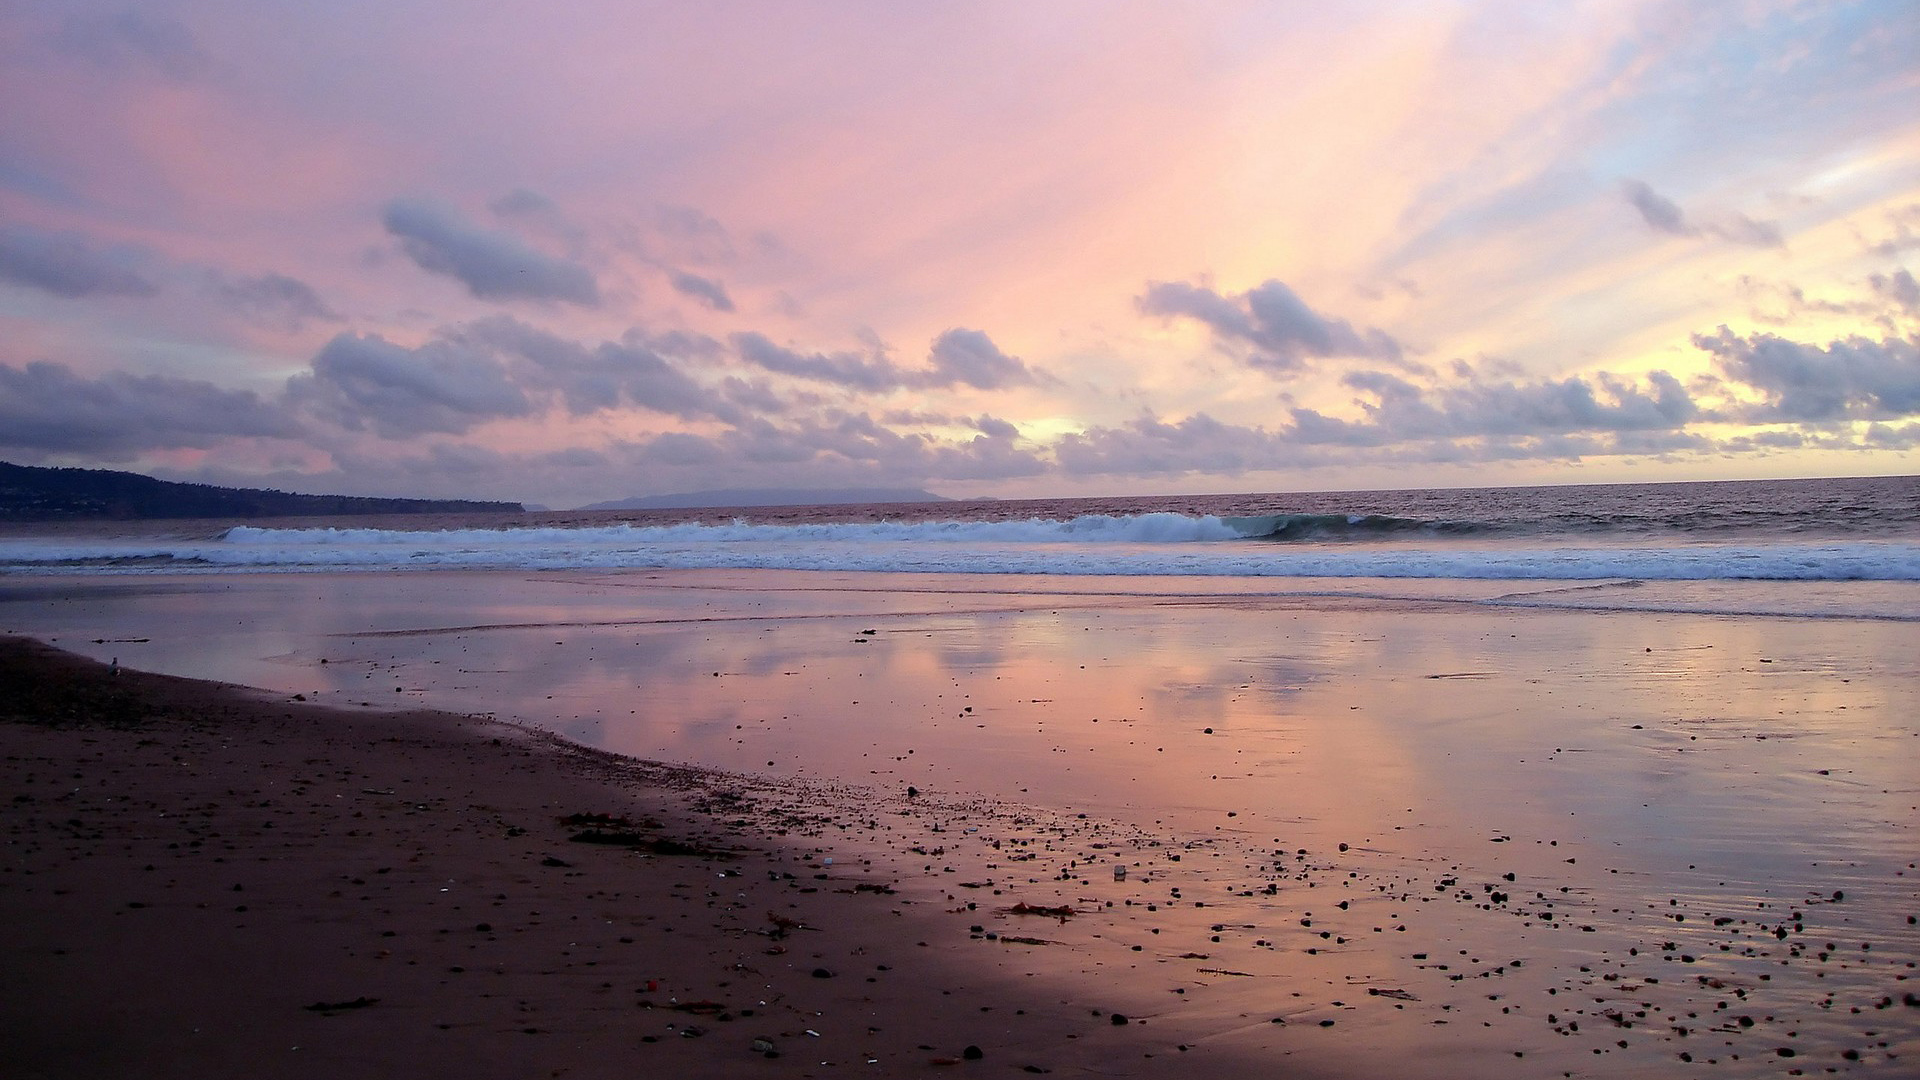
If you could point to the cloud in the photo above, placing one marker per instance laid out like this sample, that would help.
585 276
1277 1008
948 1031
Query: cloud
521 201
1148 445
1898 287
708 292
694 233
65 264
1400 421
501 368
834 449
134 39
1283 332
47 408
971 357
637 370
755 396
1659 212
869 374
830 449
995 428
1398 411
1664 215
679 449
359 380
1741 229
1904 236
275 299
1406 424
1853 378
1887 437
492 265
957 357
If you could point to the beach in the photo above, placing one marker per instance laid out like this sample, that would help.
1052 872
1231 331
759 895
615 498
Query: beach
202 882
1319 831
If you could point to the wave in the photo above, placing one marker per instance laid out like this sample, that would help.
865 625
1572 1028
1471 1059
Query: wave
1155 528
1157 544
1348 527
1163 527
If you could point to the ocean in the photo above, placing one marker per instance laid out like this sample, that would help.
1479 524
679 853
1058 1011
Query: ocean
1689 539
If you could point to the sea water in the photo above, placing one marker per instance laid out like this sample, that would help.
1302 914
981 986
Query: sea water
1842 530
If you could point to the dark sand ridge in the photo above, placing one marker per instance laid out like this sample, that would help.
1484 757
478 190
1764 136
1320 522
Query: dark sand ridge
1373 962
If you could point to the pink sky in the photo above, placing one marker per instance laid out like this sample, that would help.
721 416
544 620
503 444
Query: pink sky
505 251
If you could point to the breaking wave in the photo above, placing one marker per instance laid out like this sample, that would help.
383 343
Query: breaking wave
1156 544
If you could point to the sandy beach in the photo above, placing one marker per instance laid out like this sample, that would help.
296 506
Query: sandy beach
202 882
1337 836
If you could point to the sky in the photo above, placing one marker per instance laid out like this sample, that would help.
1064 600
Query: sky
562 253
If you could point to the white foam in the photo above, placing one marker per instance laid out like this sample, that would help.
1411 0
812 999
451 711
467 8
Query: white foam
1159 528
1150 544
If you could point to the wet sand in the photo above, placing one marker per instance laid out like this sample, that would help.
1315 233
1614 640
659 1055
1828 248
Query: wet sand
201 881
1355 836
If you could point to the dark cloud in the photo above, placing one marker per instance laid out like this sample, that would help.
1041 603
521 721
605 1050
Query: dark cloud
47 408
1281 330
492 265
990 456
362 380
922 418
1395 410
971 357
1659 212
1148 445
755 396
136 39
1764 441
1888 437
679 449
957 357
275 299
995 428
834 448
1741 229
637 370
521 201
1403 424
707 291
1853 378
65 264
1898 287
1478 420
500 368
694 233
870 374
1664 215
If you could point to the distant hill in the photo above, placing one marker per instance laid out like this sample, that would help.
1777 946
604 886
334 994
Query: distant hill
725 497
30 493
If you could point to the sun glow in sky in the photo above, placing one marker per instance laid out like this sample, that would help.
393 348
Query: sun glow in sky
563 253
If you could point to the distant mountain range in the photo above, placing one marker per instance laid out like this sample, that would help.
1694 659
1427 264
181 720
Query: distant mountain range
31 493
726 497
